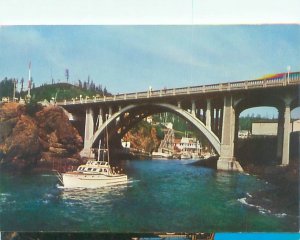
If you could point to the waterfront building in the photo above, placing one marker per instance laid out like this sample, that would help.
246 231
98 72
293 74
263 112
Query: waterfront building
270 127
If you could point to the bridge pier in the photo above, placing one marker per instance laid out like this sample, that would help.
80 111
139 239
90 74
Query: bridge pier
208 115
227 160
193 108
179 104
88 133
280 130
110 111
100 117
286 135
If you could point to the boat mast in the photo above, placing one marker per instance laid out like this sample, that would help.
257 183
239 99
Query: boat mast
107 139
99 150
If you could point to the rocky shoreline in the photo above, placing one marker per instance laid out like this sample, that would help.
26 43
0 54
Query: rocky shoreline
284 193
281 199
32 136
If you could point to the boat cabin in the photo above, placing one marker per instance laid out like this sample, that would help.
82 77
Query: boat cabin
95 167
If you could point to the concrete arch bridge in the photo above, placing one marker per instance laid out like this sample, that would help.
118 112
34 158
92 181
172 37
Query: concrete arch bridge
212 109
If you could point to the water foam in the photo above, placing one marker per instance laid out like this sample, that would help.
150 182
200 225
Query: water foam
259 208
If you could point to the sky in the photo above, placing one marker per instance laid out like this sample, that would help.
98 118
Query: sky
132 58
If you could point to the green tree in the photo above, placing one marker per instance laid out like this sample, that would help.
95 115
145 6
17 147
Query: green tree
6 88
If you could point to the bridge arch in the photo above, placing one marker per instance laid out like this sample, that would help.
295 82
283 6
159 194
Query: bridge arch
211 137
258 101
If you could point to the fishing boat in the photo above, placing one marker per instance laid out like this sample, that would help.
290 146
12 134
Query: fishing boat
161 155
95 173
185 155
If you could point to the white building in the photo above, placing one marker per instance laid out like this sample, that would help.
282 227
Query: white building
270 128
188 144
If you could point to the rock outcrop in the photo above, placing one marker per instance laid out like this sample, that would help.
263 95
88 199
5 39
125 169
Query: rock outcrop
29 139
143 138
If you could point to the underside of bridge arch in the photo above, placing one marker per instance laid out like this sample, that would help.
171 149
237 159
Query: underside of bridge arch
255 100
279 143
122 121
295 103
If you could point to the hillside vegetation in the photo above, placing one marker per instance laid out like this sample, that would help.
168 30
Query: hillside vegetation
57 91
63 91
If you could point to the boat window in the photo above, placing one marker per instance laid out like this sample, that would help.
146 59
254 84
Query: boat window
94 169
105 170
100 170
89 169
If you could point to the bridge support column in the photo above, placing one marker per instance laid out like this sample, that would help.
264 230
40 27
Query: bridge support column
201 114
118 118
109 112
88 133
219 123
280 129
193 108
286 135
208 115
213 120
227 160
179 104
100 117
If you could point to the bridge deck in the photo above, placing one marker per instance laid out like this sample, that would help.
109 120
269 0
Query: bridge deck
287 80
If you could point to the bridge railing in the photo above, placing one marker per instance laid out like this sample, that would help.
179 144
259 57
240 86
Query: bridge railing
285 79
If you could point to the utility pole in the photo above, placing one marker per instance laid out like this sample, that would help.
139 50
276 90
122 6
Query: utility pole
29 80
15 81
67 74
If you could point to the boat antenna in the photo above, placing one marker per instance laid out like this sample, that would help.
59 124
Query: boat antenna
99 150
106 116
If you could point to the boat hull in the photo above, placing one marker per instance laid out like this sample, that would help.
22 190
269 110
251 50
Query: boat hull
81 180
161 155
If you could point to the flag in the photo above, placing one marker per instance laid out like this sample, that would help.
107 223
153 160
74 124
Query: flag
29 64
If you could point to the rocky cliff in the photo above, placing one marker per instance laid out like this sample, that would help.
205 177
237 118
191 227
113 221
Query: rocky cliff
32 136
143 137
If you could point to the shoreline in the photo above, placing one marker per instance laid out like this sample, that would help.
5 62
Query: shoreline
282 198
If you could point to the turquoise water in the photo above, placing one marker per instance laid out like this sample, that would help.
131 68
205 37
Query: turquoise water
162 195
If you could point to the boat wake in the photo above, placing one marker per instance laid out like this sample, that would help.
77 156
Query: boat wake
261 209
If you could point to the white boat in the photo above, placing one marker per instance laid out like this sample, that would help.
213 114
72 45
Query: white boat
197 156
95 173
185 155
161 155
